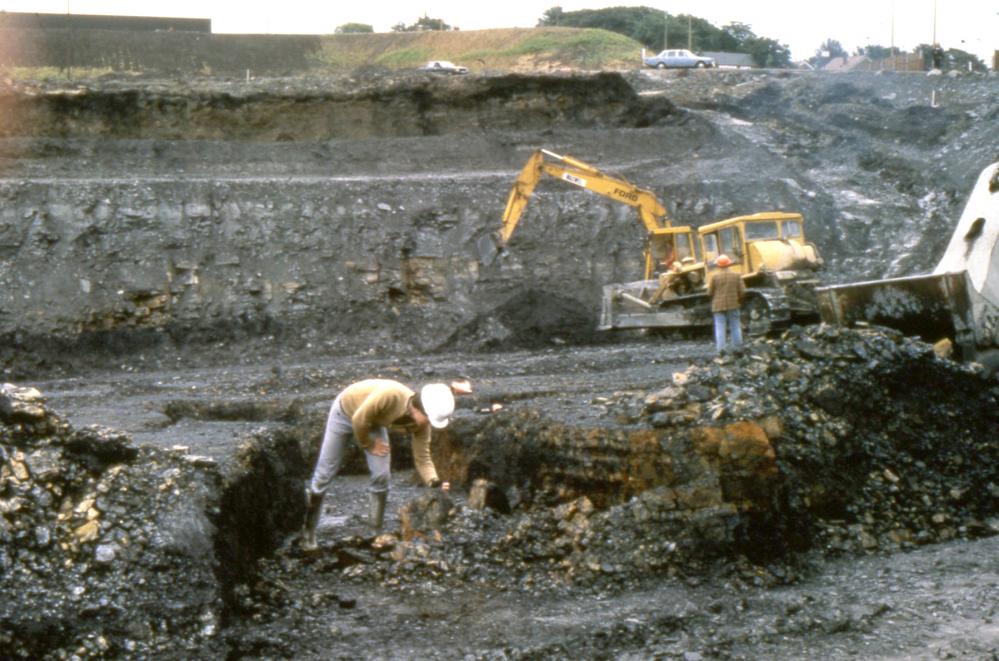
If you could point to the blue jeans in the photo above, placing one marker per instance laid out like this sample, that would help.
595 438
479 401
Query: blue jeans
730 318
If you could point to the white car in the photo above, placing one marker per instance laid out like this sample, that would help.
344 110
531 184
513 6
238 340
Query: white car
678 58
443 66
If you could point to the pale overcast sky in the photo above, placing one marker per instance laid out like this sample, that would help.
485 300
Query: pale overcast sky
971 25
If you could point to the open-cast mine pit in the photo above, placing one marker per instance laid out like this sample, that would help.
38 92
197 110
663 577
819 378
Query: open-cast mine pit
191 271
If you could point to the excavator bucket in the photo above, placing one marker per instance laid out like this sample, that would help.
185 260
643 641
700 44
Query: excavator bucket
488 248
931 307
958 301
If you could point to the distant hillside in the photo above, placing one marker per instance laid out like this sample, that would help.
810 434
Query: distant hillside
512 49
23 52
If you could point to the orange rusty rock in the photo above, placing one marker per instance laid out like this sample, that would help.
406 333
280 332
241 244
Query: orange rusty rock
744 458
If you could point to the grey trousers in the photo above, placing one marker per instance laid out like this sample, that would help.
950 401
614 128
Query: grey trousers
339 433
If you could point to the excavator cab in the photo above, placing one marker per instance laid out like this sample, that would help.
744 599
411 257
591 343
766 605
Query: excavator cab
667 248
776 262
671 259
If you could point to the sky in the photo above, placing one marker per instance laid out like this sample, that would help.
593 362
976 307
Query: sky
971 25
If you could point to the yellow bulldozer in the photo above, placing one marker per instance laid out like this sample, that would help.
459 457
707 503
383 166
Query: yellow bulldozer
768 249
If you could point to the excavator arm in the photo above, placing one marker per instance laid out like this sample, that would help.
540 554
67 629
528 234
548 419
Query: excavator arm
650 211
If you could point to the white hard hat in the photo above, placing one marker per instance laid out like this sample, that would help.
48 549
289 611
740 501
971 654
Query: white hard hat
438 404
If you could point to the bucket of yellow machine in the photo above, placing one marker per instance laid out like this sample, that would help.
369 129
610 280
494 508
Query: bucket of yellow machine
957 302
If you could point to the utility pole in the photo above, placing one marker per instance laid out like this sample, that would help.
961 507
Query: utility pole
934 22
665 30
690 35
69 43
894 65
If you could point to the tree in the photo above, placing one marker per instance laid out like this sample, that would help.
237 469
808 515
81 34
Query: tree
655 29
423 24
952 58
354 28
829 50
876 52
738 33
959 59
551 17
643 24
768 53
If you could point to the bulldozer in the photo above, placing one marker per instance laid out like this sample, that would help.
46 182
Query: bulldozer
957 302
768 249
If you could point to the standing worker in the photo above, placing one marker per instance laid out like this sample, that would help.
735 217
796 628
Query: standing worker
726 290
364 411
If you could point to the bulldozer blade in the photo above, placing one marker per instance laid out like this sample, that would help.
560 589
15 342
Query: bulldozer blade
488 249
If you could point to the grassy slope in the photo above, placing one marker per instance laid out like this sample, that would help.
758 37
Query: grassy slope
517 49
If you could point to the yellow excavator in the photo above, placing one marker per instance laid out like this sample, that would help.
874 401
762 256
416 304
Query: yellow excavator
665 244
768 249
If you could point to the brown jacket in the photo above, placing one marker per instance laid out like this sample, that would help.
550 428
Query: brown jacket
384 403
726 290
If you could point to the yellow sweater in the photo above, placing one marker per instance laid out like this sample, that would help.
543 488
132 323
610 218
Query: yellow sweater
384 403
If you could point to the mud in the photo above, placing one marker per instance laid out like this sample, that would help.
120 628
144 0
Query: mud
205 264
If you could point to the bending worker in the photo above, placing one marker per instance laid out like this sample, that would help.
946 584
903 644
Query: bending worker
726 290
364 411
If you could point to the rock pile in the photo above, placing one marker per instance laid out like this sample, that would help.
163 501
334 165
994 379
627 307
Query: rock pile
825 440
107 548
879 443
110 550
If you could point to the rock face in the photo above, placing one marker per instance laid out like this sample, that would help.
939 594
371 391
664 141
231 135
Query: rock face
246 237
143 216
109 549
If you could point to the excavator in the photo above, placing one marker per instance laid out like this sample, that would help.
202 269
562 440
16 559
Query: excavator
957 302
768 249
664 244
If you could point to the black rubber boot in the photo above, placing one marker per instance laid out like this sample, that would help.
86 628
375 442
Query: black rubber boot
376 514
313 508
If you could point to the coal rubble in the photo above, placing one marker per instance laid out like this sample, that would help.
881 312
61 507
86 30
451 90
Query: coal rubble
739 471
879 444
107 549
820 443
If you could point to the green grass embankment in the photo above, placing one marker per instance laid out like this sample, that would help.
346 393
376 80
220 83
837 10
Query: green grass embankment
511 49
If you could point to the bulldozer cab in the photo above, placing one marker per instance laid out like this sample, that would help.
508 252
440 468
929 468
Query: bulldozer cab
772 241
667 247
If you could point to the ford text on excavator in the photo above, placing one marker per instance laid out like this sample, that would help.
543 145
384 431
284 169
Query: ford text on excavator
768 249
